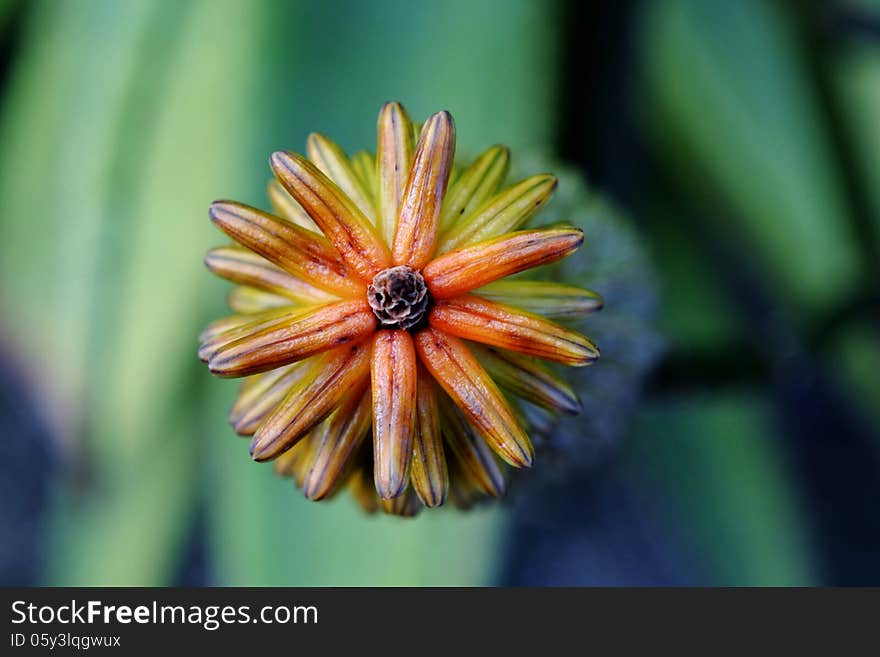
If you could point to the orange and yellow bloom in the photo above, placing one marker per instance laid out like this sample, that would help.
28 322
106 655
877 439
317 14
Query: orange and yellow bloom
382 350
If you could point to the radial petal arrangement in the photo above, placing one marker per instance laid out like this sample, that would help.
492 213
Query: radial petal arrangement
382 349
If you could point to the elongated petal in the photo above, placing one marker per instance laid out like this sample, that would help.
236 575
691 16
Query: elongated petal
457 371
260 395
222 325
418 217
253 388
338 438
249 300
363 490
394 154
306 453
552 300
429 475
240 326
516 405
471 457
285 465
474 266
526 378
364 164
474 186
394 400
329 377
405 505
243 266
329 157
540 421
505 212
293 338
284 206
296 250
462 496
336 215
480 320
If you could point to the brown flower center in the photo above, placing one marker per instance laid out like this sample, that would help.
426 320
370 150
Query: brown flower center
399 297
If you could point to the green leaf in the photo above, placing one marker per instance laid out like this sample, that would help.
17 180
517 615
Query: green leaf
855 354
697 317
856 77
732 109
114 158
719 461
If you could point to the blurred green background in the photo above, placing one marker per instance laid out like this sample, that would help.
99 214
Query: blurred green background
742 137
